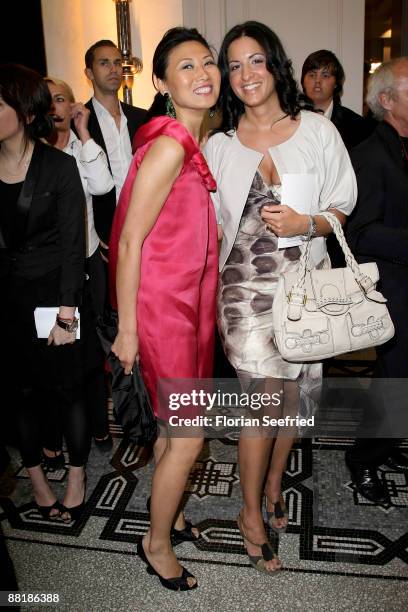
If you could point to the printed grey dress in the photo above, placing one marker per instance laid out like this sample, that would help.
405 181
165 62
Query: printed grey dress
247 287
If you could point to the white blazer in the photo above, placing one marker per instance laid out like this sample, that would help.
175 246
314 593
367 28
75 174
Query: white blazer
315 148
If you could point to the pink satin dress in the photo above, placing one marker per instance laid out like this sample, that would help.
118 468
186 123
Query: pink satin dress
178 281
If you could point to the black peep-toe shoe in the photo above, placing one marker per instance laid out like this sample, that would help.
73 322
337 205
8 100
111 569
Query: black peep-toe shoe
174 584
45 511
76 511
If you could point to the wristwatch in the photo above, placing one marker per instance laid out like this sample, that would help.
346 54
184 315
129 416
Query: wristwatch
69 325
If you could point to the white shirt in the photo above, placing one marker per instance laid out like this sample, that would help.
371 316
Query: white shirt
118 145
315 148
329 110
96 180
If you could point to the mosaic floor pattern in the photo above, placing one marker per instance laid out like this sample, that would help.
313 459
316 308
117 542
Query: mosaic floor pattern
332 530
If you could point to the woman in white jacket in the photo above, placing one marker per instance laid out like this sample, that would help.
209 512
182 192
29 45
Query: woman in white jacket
264 134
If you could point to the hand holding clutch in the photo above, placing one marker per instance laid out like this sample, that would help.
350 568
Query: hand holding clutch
126 349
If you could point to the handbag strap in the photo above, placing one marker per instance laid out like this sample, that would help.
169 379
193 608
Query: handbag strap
297 295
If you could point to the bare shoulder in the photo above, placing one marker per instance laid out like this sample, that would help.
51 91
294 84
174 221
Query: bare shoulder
167 150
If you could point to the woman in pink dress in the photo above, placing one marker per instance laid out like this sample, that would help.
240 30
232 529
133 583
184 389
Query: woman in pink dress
163 258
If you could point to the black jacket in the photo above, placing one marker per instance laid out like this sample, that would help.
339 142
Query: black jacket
104 205
51 220
352 127
378 228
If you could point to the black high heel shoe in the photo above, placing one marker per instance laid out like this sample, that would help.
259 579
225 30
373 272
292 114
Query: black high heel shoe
180 535
174 584
45 511
76 511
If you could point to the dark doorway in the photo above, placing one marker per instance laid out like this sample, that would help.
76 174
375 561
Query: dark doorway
385 30
25 42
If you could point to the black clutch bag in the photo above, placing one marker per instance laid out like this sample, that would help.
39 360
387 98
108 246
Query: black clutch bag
131 402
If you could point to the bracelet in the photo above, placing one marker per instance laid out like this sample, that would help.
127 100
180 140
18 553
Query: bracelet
312 229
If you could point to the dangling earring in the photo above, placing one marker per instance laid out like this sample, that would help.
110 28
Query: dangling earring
170 110
212 112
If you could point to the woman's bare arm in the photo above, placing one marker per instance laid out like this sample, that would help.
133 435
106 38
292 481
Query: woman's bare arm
159 169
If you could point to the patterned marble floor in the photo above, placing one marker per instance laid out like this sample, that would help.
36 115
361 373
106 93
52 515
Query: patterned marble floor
332 530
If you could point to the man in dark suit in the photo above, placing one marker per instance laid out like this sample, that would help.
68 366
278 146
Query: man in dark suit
112 124
378 231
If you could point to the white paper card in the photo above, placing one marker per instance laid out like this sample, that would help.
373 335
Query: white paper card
45 319
297 192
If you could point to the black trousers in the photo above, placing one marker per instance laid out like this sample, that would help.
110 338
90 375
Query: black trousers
392 363
67 407
95 379
36 378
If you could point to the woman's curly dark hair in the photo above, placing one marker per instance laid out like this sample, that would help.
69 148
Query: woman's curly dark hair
277 64
27 93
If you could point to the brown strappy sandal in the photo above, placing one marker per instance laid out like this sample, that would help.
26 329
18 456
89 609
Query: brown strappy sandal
258 562
279 511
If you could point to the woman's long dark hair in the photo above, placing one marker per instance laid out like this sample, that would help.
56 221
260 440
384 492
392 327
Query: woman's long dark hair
171 39
27 93
277 64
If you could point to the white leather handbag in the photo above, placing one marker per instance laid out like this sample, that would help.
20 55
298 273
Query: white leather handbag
323 313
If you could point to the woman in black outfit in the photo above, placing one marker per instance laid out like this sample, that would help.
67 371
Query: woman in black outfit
42 253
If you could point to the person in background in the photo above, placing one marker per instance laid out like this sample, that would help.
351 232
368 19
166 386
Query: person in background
378 231
96 180
322 81
42 258
163 264
112 125
265 133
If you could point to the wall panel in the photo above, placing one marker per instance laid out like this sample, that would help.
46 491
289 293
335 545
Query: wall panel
303 27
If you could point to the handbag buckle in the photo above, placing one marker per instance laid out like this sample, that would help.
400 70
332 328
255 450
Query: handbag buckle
299 299
365 283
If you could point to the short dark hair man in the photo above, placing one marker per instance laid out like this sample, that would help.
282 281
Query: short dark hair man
112 124
322 81
378 231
